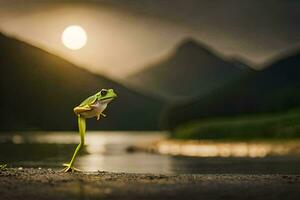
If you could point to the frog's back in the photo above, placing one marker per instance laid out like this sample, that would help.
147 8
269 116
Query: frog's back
90 100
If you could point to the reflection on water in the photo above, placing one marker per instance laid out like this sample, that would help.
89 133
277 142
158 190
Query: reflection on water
107 151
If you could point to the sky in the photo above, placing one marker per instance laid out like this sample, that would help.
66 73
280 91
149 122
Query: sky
125 36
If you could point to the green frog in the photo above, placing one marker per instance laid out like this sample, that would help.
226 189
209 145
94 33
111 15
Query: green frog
91 107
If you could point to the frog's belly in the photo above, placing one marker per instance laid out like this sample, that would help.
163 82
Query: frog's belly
97 109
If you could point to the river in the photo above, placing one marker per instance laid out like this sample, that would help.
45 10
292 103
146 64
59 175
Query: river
107 151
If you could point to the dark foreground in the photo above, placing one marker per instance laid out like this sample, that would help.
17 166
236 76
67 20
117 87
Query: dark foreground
48 184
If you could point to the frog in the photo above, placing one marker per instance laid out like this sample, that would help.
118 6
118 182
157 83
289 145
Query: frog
91 107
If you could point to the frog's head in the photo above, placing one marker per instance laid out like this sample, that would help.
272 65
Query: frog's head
106 95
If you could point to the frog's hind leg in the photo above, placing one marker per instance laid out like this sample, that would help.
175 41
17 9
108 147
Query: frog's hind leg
82 127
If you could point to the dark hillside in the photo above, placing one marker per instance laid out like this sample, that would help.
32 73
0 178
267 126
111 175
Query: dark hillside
274 89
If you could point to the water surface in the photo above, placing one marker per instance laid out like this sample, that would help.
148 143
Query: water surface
107 151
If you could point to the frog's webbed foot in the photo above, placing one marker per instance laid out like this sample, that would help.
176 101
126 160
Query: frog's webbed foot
69 168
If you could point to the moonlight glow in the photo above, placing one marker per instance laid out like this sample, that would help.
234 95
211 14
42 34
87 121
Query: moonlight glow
74 37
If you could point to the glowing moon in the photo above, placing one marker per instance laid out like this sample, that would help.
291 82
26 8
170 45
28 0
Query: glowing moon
74 37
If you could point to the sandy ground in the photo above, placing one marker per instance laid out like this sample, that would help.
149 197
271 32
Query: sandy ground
48 184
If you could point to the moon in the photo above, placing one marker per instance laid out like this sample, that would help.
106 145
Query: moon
74 37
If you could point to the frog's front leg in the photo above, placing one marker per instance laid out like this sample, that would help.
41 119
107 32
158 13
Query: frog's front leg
81 109
98 116
82 128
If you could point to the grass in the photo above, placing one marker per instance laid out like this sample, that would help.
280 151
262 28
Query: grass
284 125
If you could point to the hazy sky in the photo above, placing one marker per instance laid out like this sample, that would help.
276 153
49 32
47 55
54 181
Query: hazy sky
124 36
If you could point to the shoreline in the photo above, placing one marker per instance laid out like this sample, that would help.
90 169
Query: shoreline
220 148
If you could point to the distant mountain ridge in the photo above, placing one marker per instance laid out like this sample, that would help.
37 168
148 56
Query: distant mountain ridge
191 70
271 90
39 91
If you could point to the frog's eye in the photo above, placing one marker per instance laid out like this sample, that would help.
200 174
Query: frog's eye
103 92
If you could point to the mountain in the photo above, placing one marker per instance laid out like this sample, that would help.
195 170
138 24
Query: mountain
191 70
274 89
39 91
